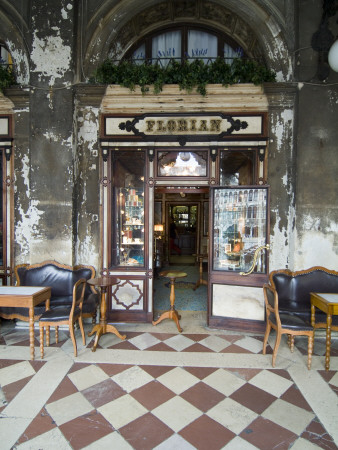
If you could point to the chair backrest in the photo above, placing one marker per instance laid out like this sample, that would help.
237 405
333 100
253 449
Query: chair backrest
271 303
78 295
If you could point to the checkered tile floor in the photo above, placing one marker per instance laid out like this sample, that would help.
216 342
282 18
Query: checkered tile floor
160 390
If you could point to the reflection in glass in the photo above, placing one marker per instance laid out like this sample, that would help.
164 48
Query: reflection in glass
240 227
184 164
237 167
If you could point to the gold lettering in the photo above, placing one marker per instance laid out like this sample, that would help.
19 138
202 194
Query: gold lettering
171 125
150 125
160 126
182 125
193 125
215 125
203 126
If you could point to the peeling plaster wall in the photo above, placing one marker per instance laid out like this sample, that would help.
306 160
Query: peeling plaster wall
46 221
281 173
317 137
317 180
57 200
86 187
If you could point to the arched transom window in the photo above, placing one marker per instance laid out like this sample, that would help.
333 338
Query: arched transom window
185 42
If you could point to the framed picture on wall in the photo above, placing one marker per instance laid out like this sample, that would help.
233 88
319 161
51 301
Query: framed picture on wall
205 218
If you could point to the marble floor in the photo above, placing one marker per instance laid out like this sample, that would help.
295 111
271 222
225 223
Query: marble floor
158 389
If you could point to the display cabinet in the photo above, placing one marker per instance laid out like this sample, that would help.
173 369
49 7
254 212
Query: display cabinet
131 227
128 219
240 227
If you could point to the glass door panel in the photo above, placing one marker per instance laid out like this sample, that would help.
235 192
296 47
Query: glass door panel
240 226
128 209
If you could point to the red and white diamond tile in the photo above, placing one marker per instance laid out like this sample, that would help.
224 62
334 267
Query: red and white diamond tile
158 390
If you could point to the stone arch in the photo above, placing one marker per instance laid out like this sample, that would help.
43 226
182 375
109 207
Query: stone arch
261 32
12 31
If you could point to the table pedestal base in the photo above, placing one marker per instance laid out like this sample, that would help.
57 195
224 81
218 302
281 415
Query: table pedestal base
171 314
200 281
101 329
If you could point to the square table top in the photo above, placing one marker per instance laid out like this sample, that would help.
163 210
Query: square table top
330 298
20 290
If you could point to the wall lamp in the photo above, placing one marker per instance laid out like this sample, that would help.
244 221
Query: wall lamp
333 56
324 43
151 154
213 153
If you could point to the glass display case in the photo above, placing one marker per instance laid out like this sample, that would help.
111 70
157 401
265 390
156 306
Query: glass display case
132 227
128 210
240 222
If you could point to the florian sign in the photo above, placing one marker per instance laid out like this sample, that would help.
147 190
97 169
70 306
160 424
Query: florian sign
182 127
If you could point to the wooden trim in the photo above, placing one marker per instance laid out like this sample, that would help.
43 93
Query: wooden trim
129 316
242 325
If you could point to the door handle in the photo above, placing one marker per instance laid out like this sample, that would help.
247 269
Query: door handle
258 250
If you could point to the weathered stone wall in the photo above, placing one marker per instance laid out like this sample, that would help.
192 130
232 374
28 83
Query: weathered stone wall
57 174
316 226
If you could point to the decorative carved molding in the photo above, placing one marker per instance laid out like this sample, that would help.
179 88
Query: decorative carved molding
9 181
127 294
172 127
105 182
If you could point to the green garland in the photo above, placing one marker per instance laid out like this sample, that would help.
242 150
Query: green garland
188 75
7 78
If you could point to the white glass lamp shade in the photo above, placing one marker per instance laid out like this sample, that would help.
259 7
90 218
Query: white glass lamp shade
333 56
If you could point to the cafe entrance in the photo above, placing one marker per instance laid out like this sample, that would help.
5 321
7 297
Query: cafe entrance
205 170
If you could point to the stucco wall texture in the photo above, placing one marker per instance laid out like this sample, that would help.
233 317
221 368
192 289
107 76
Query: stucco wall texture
56 45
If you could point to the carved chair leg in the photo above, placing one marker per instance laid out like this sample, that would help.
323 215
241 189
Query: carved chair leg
82 331
41 341
292 343
47 336
275 350
56 335
309 351
266 336
289 340
72 335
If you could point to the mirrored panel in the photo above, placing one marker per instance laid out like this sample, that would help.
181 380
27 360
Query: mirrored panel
237 167
182 164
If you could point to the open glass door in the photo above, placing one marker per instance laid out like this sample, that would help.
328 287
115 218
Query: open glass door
239 256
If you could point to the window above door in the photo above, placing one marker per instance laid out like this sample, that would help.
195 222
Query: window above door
186 42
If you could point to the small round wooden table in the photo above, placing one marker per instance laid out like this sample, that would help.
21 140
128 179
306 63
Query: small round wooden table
172 313
201 280
103 327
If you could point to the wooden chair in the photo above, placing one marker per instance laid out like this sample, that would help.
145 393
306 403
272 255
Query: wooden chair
284 323
64 315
